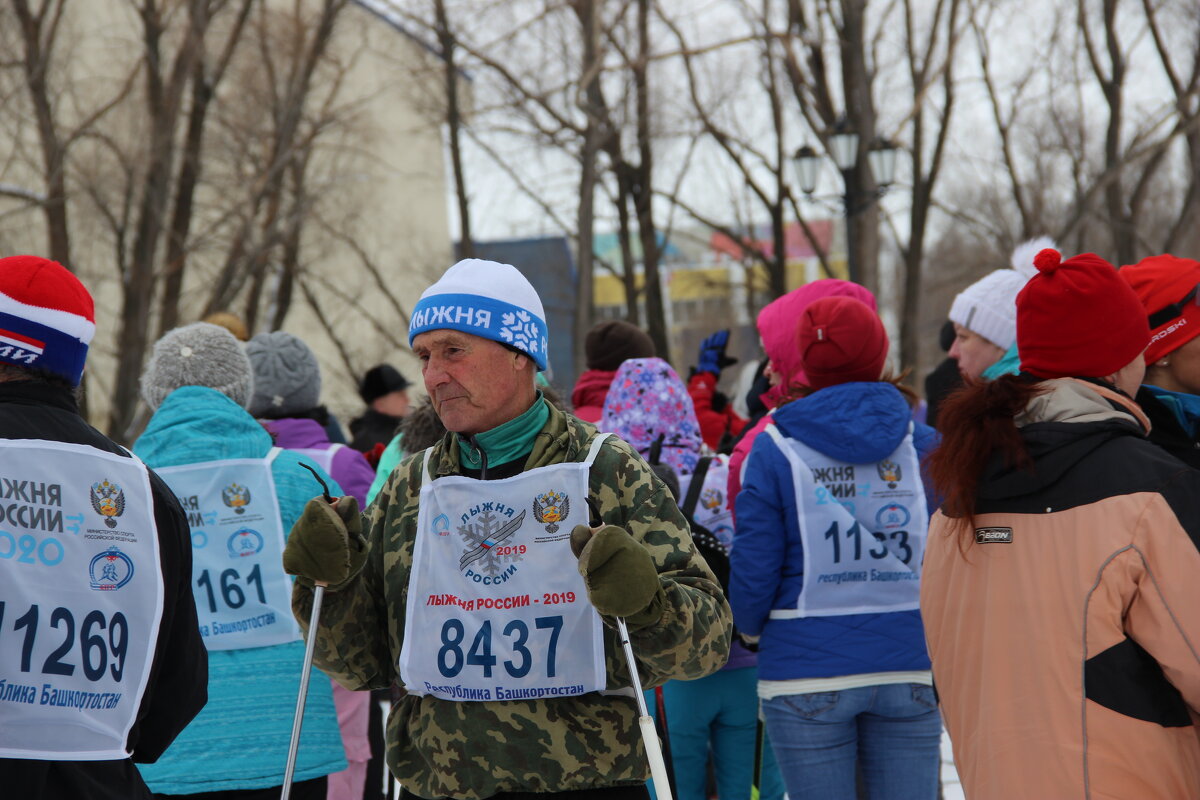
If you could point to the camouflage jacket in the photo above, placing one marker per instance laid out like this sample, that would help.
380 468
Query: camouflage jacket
439 748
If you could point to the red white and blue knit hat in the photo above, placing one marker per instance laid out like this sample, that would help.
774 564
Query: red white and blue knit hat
488 299
47 317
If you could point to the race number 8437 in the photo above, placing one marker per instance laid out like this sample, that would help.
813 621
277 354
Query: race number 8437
515 639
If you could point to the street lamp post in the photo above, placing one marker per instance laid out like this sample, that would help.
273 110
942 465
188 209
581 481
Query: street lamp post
843 149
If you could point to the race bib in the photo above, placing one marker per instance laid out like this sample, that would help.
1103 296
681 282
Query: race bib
81 599
712 510
862 527
497 609
243 596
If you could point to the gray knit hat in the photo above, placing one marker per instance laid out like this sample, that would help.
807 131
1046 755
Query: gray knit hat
199 354
287 380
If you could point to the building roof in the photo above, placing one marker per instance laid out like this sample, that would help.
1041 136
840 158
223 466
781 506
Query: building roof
758 237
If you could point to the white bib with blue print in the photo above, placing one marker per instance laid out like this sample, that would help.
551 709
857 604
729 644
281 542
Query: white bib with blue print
863 530
243 596
712 511
497 609
321 456
81 599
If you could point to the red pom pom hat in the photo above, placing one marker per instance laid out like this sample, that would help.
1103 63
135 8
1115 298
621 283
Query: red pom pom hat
1078 318
47 318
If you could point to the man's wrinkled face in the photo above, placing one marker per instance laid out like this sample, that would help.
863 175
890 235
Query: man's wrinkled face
973 353
474 383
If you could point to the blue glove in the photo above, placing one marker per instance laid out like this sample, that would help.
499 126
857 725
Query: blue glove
712 353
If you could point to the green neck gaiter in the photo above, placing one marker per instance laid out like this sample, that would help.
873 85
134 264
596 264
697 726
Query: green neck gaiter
506 442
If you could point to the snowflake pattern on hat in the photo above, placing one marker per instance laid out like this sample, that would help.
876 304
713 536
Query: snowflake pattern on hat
520 330
647 399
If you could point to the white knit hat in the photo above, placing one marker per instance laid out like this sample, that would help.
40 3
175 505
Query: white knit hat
988 307
487 299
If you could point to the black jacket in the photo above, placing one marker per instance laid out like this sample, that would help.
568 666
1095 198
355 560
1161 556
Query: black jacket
1165 430
372 428
177 687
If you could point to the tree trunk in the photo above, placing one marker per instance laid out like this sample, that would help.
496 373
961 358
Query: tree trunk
862 215
162 107
453 122
39 49
185 192
643 194
585 306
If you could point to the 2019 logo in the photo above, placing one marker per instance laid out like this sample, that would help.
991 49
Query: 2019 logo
236 497
488 547
108 499
110 570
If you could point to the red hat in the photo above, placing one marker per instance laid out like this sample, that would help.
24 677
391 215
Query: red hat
1078 318
47 317
1166 285
841 340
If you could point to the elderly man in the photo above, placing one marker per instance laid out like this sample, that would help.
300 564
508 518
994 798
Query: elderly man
493 566
101 660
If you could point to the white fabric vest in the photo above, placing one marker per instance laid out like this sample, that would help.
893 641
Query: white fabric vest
712 510
81 599
322 457
863 529
497 609
243 596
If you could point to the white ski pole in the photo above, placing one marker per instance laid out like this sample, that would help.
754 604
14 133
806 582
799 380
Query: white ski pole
298 721
658 767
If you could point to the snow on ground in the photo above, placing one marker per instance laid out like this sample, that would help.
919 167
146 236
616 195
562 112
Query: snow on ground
951 788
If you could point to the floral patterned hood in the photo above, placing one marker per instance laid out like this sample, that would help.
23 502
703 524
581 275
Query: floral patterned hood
646 400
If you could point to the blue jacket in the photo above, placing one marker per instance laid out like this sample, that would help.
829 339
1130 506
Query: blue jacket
240 739
856 423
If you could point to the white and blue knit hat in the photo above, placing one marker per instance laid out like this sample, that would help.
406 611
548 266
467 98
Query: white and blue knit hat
488 299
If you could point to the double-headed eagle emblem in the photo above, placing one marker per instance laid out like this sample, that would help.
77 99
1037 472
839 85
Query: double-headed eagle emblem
109 501
551 508
236 497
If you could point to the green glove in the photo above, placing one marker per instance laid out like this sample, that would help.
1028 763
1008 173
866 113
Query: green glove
326 544
619 574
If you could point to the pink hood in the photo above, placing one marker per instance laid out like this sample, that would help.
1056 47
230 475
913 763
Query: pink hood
777 326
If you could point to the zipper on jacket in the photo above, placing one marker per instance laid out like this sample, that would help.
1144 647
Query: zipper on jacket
483 465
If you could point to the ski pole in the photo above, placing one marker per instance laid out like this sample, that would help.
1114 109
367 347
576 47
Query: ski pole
658 768
759 742
306 672
664 732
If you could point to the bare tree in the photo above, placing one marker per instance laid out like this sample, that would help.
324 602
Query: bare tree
39 28
448 43
930 69
830 96
763 170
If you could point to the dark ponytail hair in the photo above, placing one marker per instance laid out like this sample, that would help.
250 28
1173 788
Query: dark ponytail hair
977 423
